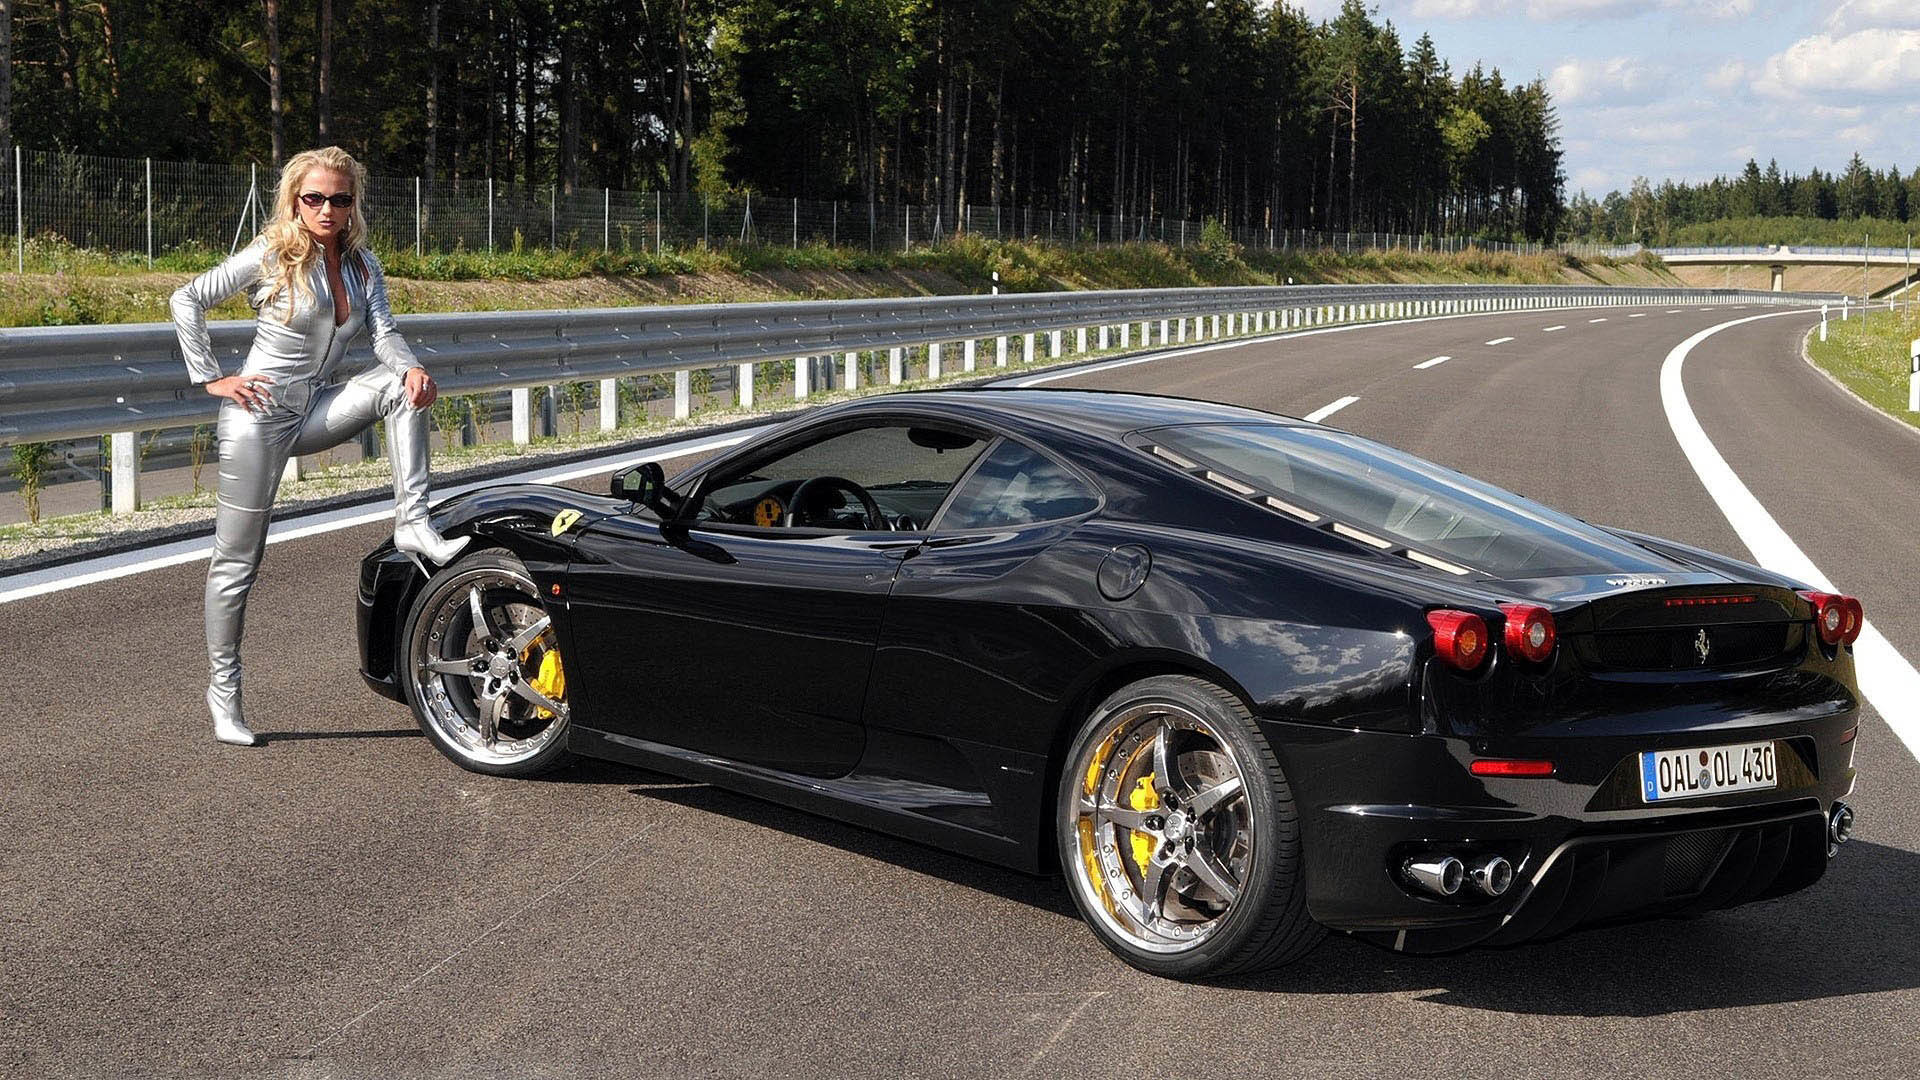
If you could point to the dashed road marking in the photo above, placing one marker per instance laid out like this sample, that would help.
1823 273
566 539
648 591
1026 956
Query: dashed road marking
1638 315
1325 411
1602 319
1551 329
1435 362
1500 341
1887 679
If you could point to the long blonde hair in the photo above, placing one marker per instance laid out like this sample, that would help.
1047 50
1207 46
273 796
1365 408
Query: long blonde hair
291 249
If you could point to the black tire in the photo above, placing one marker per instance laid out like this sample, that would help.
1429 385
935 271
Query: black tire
443 702
1265 923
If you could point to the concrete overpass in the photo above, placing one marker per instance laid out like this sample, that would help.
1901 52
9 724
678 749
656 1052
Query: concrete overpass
1883 269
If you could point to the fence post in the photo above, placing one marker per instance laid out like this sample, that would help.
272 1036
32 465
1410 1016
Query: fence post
490 218
149 213
609 404
908 245
606 219
1823 322
553 216
659 245
416 218
796 222
19 214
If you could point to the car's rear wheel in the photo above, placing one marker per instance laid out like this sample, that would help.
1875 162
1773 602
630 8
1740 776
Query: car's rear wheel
1177 833
480 662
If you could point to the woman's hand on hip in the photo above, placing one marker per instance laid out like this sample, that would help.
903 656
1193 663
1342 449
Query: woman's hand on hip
421 389
248 391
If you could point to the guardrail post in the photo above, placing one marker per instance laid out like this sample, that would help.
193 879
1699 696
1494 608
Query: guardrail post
896 365
682 394
1163 331
126 472
1180 334
1103 337
802 376
1053 345
610 403
1079 339
1846 308
1000 351
966 355
522 416
1216 326
1913 381
1126 335
850 364
1823 322
933 360
549 412
745 379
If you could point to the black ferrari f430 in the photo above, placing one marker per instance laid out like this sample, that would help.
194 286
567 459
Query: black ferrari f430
1241 678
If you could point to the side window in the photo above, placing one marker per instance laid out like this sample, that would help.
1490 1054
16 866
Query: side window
1016 485
899 470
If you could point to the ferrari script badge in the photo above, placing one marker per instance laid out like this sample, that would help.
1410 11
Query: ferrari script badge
1702 645
564 520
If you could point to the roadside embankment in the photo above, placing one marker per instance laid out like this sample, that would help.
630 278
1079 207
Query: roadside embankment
1870 356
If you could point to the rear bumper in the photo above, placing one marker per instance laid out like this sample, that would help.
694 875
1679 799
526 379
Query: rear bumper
1585 849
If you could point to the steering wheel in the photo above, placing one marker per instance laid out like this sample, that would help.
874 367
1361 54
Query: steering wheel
813 487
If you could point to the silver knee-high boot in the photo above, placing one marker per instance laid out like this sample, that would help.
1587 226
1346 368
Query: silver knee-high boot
249 474
407 437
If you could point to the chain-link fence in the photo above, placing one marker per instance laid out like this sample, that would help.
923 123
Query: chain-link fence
132 208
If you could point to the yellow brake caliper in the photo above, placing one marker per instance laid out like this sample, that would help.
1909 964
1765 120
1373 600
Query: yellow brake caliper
551 682
1143 798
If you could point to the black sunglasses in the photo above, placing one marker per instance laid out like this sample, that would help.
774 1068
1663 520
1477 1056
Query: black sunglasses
341 201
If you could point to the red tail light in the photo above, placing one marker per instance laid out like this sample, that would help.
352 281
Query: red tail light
1459 637
1510 767
1837 619
1530 634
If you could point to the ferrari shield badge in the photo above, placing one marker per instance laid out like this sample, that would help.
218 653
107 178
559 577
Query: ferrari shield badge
564 520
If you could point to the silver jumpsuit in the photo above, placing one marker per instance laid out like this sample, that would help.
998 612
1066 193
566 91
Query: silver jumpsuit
305 416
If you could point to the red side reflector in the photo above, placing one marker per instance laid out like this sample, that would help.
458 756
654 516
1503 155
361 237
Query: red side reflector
1706 601
1510 767
1847 735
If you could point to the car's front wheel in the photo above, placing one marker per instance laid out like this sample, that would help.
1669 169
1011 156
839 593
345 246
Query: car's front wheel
1177 833
480 662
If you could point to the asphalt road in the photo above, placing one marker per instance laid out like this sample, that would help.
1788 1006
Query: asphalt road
345 902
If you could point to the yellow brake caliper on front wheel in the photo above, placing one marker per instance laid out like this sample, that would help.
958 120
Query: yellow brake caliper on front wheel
1143 798
551 682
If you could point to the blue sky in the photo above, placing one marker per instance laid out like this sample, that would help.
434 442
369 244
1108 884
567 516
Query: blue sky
1690 89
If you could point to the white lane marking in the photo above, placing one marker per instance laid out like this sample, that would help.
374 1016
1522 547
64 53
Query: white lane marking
1641 315
1284 335
1887 679
1596 320
1551 329
1500 341
108 567
1435 362
1325 411
1677 311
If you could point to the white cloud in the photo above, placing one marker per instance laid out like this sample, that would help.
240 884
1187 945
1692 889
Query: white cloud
1867 14
1728 75
1863 62
1618 80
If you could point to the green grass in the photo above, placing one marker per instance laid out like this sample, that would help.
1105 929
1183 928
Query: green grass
1813 232
1870 356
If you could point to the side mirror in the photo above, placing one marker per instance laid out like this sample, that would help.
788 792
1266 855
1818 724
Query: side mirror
646 484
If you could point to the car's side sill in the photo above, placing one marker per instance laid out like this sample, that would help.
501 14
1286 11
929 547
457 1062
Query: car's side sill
850 799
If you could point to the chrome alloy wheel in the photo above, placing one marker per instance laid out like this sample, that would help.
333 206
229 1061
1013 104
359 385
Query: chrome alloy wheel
484 659
1165 830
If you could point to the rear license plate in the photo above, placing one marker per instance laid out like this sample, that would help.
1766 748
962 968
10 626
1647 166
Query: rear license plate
1666 775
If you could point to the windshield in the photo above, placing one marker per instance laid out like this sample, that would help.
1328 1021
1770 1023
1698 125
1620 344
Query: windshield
1406 499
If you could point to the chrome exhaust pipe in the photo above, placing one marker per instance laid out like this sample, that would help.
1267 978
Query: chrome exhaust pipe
1839 827
1441 875
1492 875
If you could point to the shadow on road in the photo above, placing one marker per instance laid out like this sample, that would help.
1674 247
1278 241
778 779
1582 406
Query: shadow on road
308 736
1850 933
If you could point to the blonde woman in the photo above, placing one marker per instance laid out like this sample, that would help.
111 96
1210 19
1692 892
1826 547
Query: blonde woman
314 286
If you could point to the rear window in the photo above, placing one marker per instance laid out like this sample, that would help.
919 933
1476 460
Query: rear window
1404 499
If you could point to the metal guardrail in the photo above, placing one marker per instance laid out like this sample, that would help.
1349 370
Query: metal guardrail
73 382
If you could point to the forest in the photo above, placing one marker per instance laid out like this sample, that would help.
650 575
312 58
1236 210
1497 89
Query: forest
1251 113
1757 207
